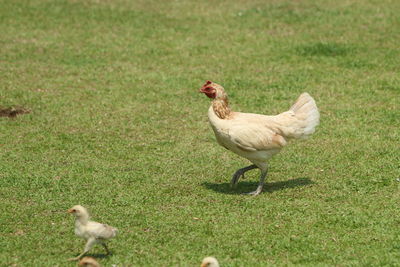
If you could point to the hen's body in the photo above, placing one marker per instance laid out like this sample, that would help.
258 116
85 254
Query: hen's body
258 137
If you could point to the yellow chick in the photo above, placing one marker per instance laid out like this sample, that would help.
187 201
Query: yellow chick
88 262
93 232
209 262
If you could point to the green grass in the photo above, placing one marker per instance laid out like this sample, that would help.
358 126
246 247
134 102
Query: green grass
117 125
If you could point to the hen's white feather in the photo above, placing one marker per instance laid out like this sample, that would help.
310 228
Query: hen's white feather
258 137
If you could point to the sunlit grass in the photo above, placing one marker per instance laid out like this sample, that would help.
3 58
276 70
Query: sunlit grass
116 124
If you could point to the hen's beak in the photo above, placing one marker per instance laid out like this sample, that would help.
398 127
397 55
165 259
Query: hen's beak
201 90
70 210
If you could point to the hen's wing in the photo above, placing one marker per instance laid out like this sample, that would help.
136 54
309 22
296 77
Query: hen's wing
253 132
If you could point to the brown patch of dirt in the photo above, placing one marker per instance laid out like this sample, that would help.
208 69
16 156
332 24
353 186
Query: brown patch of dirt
19 232
12 112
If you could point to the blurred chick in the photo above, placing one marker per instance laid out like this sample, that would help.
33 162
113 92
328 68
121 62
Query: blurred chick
88 262
93 232
209 262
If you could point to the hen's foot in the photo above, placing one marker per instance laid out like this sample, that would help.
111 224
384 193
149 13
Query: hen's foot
240 173
253 193
236 176
257 191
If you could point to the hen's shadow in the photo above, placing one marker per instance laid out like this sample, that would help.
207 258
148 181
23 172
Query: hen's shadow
244 186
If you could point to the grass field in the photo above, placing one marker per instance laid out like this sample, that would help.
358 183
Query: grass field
116 124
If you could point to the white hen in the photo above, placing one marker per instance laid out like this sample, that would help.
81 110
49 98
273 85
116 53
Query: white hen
254 136
93 232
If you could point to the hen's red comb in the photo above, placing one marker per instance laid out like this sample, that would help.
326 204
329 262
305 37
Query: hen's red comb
208 83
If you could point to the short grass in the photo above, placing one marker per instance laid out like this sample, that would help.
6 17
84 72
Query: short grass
117 125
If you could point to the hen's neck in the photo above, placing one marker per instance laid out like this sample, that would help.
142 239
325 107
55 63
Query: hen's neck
221 108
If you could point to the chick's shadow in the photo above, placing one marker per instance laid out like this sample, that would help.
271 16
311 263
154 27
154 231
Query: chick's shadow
244 186
98 255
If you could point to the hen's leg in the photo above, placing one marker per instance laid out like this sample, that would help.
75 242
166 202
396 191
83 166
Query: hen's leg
260 184
239 173
88 246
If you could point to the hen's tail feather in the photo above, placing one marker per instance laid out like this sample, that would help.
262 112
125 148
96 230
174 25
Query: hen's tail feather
306 110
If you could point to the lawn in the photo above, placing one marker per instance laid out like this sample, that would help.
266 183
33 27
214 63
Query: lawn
117 125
